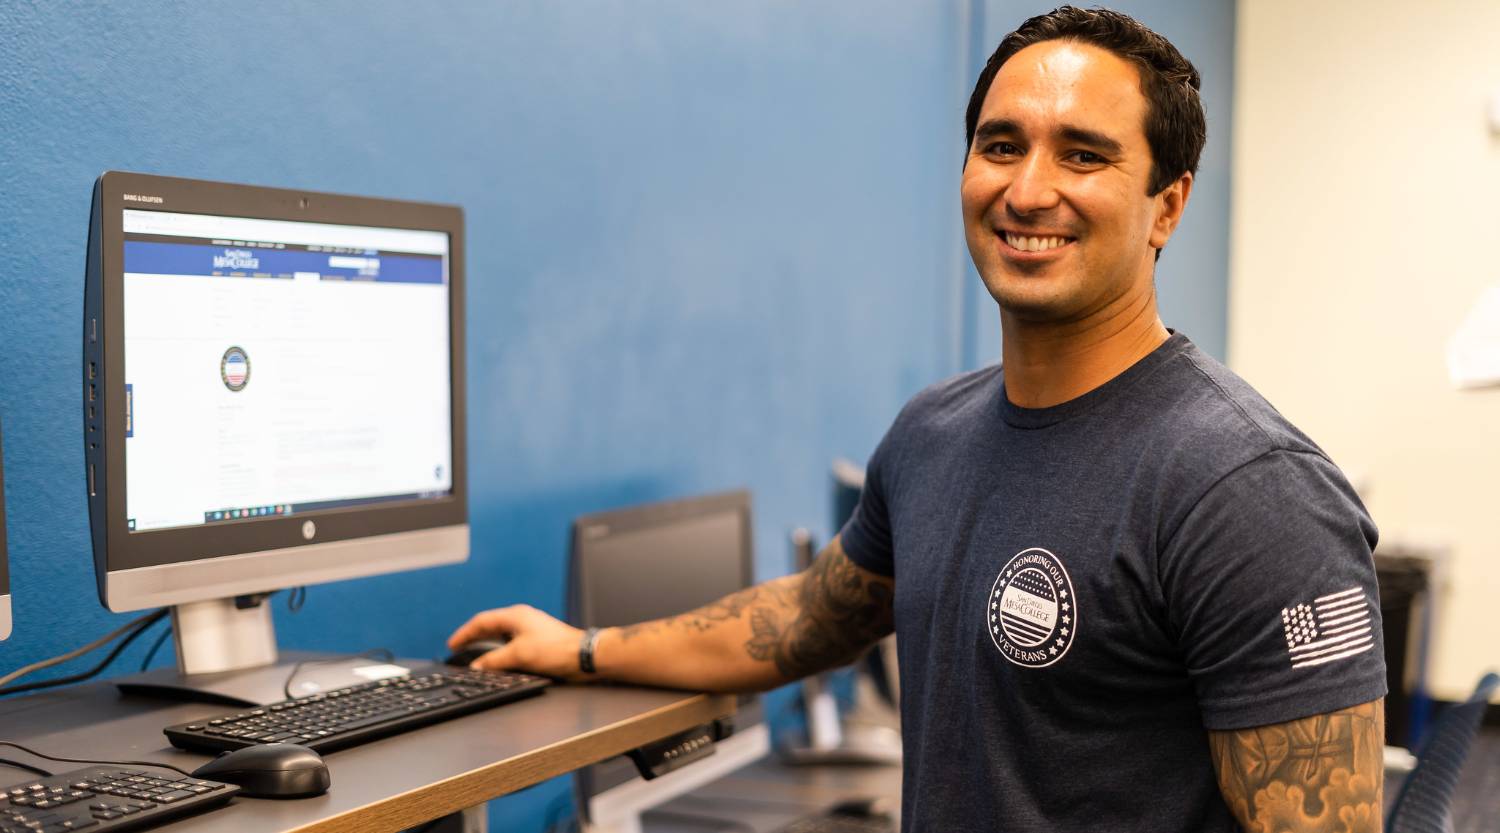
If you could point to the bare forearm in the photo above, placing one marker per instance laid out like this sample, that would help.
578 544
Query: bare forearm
701 649
1320 773
760 637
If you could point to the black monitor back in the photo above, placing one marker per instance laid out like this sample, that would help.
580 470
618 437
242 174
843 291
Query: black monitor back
655 560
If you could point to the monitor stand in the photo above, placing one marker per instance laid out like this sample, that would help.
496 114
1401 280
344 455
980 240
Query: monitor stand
870 737
226 653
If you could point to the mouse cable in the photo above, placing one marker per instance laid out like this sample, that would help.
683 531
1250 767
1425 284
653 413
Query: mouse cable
30 751
78 652
18 765
383 654
144 624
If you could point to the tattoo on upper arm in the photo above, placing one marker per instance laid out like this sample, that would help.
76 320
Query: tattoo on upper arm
806 623
1321 773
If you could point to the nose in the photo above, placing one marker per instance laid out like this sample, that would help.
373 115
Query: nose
1033 188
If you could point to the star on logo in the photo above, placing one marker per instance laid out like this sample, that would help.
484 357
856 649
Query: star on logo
1064 631
1067 620
1052 651
1061 593
1065 606
1059 643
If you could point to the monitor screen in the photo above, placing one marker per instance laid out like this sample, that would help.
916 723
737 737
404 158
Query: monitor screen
273 388
276 367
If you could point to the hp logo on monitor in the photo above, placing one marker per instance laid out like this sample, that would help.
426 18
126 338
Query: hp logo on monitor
309 529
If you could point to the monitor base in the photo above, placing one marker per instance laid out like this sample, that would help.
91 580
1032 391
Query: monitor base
263 685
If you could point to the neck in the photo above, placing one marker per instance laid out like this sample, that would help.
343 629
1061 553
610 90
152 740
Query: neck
1049 363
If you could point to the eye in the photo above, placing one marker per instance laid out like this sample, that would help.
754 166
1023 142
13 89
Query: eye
1087 157
1002 149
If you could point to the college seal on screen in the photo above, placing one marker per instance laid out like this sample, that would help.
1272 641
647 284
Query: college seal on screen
234 369
1032 614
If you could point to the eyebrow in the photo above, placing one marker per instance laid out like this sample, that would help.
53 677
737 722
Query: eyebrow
1000 128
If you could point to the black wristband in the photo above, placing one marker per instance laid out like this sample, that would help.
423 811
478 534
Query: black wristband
586 650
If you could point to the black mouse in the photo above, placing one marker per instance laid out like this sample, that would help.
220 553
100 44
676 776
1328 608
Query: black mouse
270 770
864 808
474 650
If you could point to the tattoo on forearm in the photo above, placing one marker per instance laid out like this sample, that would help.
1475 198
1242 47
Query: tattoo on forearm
1322 773
806 623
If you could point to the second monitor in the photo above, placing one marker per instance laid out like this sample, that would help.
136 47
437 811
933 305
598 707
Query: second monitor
648 562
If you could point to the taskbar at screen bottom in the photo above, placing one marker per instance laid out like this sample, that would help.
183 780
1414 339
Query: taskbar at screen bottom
242 513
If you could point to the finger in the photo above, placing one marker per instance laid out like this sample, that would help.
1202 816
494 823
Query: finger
485 624
500 659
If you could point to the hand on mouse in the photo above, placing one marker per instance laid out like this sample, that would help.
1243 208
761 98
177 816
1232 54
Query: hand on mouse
539 644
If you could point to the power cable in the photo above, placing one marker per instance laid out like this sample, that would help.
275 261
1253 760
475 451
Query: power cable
143 624
78 652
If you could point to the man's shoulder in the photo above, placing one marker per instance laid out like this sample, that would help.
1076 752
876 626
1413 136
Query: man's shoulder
1210 409
956 400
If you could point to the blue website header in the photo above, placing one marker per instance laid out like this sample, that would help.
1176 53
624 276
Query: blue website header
152 258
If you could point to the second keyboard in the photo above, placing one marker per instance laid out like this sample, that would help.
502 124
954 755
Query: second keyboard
348 716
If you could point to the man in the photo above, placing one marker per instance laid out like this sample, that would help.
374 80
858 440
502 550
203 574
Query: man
1129 595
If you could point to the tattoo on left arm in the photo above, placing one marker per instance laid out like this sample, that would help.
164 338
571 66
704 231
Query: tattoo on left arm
1323 773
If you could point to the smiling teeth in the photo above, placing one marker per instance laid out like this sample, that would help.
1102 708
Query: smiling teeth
1034 244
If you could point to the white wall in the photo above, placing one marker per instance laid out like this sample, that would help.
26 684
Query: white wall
1365 222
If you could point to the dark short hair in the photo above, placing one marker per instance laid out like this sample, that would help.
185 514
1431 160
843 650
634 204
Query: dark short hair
1176 127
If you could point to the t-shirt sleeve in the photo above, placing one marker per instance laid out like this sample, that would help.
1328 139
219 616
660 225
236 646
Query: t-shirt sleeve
1270 587
866 536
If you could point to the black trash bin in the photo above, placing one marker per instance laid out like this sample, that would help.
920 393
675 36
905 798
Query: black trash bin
1403 580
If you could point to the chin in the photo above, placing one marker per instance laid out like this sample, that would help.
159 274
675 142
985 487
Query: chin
1026 299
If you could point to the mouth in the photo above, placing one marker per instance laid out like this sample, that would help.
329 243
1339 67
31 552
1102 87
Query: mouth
1033 245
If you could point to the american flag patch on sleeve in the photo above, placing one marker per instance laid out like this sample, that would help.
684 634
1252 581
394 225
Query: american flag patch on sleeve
1328 628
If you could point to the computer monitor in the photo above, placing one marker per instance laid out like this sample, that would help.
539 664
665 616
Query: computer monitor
647 562
273 396
4 562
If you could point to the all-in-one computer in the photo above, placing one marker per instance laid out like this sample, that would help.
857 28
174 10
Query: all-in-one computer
273 397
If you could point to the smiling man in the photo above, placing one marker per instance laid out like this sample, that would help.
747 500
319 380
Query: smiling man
1129 595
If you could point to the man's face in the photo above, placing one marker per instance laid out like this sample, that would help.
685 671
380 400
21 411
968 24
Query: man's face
1054 190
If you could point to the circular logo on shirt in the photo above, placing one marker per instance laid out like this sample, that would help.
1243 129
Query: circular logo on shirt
1032 616
234 369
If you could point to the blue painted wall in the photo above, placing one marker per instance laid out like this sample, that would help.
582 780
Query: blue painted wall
709 246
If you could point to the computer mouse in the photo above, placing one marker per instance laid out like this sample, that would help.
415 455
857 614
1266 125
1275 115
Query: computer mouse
270 770
864 808
474 650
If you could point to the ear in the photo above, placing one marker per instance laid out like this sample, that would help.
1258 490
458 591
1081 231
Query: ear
1169 207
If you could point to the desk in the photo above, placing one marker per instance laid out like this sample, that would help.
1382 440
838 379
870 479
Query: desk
387 785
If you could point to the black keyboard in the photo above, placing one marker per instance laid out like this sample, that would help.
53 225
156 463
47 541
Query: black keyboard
360 713
105 798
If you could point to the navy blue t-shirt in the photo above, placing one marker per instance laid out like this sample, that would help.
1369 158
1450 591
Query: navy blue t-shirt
1083 591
